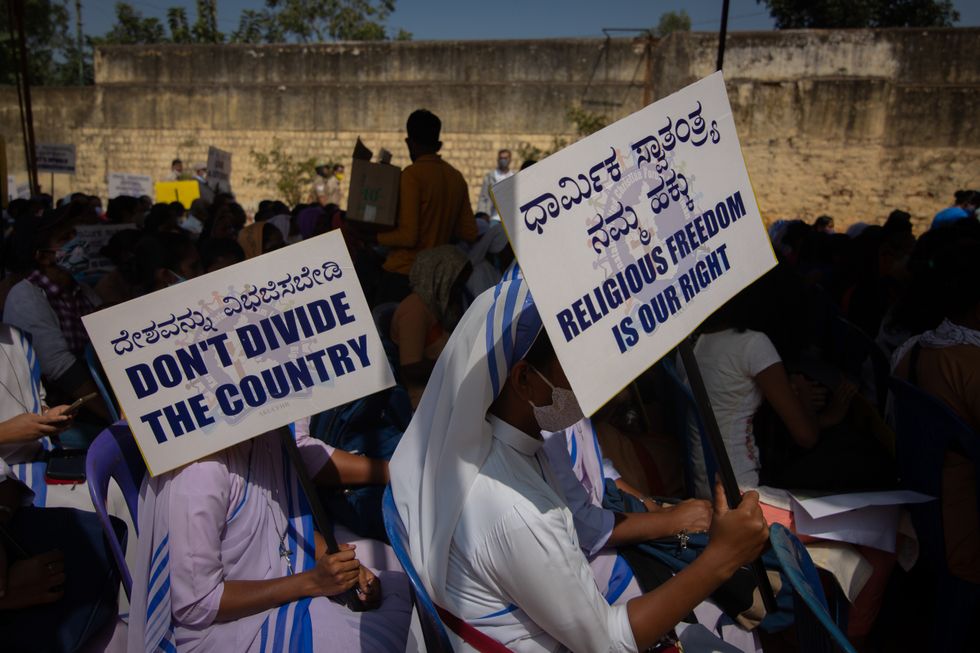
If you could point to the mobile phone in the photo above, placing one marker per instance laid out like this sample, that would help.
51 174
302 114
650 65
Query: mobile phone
65 467
81 400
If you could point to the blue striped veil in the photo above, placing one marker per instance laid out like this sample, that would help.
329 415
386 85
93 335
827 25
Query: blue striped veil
448 439
19 346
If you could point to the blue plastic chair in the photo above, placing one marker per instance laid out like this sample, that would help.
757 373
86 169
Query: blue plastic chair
433 630
114 455
96 372
925 428
816 630
686 409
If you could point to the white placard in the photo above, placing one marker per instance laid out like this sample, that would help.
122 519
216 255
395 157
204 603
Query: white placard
55 158
631 237
86 260
17 191
211 362
122 183
219 164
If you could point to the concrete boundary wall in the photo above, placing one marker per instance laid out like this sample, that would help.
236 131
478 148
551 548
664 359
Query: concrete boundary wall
851 123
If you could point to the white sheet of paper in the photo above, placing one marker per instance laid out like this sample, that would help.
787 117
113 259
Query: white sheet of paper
874 526
819 507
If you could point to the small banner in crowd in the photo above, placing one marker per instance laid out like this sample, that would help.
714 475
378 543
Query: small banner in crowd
219 164
85 260
122 183
632 237
17 191
55 158
184 192
214 361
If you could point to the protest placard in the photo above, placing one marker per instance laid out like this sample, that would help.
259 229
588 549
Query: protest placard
630 238
85 260
184 192
122 183
219 164
211 362
17 191
55 158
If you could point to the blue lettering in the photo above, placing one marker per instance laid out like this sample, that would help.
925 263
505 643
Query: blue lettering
141 378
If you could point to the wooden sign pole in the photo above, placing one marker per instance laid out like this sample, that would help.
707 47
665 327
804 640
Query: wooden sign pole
320 519
730 485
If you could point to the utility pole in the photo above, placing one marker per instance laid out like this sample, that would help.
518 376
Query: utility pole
78 42
722 34
15 9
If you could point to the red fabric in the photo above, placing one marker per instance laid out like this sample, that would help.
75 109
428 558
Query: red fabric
471 635
69 305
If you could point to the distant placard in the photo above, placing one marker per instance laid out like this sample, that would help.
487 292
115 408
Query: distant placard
219 164
123 183
184 192
17 191
55 158
632 237
86 260
211 362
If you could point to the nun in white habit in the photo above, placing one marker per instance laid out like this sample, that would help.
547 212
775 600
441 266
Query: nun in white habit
488 527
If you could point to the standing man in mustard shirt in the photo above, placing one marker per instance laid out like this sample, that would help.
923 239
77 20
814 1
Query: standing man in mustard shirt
433 207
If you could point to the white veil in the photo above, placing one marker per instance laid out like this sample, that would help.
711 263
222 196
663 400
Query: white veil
449 438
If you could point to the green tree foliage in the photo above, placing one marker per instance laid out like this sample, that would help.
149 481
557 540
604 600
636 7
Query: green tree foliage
291 178
258 27
132 28
180 28
672 21
798 14
205 29
45 26
331 20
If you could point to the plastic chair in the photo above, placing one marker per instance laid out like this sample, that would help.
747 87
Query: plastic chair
816 630
925 428
96 372
433 631
114 455
686 409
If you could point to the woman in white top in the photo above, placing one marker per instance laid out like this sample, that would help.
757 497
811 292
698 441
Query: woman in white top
741 368
489 531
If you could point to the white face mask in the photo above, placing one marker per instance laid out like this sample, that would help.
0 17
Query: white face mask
563 411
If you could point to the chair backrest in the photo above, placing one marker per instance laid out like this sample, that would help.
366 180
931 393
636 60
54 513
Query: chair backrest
114 455
816 630
686 409
433 630
925 428
96 372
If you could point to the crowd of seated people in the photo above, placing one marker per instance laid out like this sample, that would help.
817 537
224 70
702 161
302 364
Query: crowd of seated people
527 522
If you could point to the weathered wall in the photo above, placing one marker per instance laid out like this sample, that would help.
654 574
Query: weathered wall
851 123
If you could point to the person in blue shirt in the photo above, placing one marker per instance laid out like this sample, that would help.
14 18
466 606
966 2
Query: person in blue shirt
964 206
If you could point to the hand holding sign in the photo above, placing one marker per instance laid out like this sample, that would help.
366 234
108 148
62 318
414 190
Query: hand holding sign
632 237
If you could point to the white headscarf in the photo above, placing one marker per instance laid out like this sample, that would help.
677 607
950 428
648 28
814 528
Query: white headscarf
449 438
947 334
